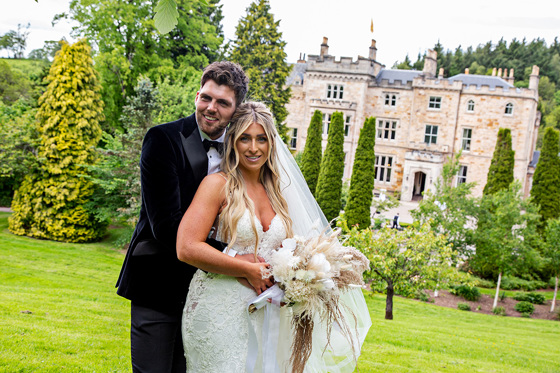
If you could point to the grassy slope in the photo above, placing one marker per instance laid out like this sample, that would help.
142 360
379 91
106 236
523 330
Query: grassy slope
77 323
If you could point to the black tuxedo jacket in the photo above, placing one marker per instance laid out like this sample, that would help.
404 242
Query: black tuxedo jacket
172 165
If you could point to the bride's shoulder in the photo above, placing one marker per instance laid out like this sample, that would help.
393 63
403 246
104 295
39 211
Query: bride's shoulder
216 180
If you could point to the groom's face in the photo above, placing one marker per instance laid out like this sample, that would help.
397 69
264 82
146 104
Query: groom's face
215 105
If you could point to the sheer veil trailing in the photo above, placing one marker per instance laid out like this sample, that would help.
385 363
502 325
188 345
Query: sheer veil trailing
334 352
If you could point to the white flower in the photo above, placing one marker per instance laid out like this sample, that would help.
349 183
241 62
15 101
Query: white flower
326 284
306 276
289 243
319 264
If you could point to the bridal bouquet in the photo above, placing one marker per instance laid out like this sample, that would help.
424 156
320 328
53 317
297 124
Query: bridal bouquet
312 272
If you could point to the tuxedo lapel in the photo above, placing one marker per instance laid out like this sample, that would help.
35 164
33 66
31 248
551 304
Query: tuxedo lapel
196 156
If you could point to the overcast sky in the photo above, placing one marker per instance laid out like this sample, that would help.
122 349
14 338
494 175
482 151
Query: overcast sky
401 27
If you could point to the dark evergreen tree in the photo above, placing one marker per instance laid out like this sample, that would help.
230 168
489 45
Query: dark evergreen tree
259 48
312 154
546 181
329 185
358 209
500 174
53 201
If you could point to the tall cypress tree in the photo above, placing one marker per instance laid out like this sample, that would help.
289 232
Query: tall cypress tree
329 184
358 209
53 201
546 181
500 174
312 154
259 48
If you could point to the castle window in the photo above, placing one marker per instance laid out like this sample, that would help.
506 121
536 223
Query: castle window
430 136
435 102
470 106
467 137
347 126
390 100
293 139
335 91
509 109
383 167
326 123
386 129
462 175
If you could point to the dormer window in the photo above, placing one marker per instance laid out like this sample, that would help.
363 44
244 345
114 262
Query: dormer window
335 91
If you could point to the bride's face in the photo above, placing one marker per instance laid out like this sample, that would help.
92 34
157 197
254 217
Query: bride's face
252 147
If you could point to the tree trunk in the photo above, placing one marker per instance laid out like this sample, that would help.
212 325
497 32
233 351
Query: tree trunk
497 291
554 297
389 302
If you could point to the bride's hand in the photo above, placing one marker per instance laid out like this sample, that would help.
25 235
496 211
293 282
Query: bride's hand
254 276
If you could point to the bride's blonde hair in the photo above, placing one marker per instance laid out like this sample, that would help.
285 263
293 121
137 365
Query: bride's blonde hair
237 199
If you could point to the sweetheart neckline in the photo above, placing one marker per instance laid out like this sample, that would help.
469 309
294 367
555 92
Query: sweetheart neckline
260 223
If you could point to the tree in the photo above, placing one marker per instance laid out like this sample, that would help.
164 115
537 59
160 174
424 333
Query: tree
118 172
552 252
403 261
52 201
311 157
127 44
358 209
546 180
450 210
500 173
15 41
329 184
259 48
510 238
13 85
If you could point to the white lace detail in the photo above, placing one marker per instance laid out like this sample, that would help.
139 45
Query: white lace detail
215 329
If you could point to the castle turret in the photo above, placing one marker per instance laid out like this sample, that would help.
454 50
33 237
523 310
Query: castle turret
430 64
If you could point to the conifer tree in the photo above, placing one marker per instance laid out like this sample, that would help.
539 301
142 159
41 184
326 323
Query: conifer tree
53 201
358 209
312 154
259 48
500 174
546 181
329 184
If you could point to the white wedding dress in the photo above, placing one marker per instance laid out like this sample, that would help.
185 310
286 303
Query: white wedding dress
216 324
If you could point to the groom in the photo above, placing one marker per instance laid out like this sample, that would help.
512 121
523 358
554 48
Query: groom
175 158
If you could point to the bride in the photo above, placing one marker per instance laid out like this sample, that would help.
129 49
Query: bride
258 200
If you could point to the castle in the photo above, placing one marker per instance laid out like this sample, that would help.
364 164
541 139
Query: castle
422 118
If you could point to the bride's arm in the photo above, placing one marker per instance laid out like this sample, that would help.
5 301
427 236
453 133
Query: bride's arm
194 228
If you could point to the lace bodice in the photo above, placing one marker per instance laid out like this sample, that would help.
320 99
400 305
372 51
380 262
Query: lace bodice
269 240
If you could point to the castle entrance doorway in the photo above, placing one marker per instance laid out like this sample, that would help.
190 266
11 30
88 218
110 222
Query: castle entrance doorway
419 186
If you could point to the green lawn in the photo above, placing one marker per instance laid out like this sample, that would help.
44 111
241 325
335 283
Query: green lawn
59 312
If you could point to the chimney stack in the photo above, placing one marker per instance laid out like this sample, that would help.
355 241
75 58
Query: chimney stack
440 73
430 64
325 47
494 71
372 50
301 59
534 78
467 71
500 72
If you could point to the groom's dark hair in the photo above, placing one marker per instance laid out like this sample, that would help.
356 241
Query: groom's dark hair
229 74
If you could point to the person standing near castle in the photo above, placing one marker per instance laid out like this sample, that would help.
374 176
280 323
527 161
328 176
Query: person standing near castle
176 156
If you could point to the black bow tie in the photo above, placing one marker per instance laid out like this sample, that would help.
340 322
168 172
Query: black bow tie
219 146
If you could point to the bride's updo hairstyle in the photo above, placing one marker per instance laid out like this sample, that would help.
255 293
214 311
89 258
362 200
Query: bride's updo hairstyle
237 199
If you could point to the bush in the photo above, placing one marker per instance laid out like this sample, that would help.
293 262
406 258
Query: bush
500 311
514 283
526 314
470 293
463 307
482 283
525 307
530 297
421 295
